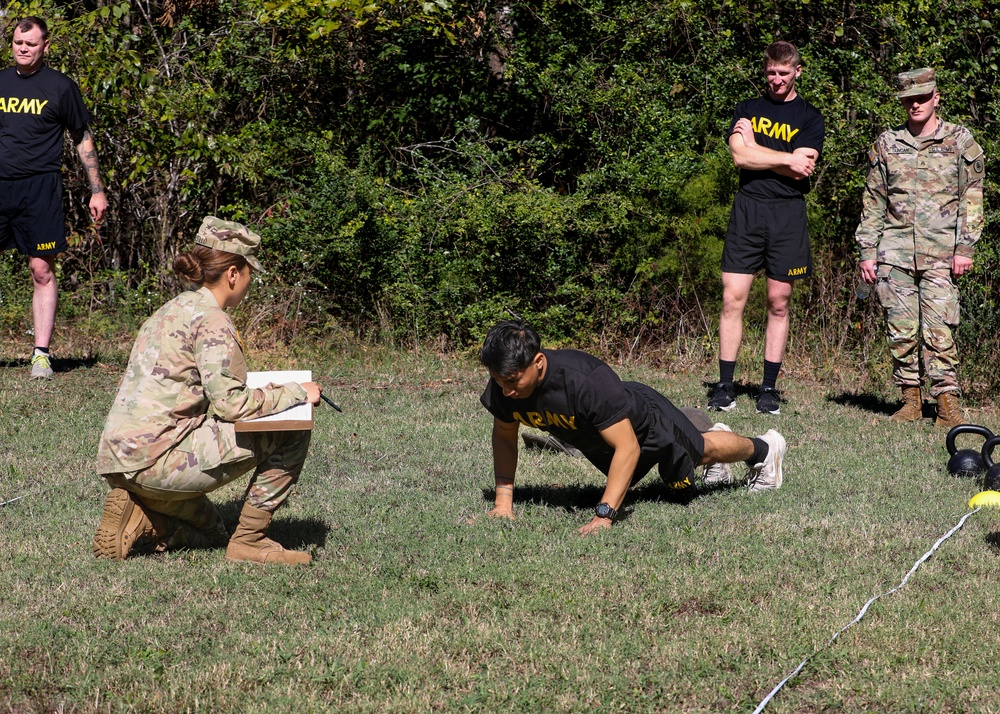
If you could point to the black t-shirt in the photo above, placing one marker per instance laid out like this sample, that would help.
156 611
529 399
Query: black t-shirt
578 397
782 126
34 113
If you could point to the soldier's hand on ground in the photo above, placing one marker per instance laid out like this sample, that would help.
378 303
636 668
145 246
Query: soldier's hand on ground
502 512
595 526
313 391
868 273
960 265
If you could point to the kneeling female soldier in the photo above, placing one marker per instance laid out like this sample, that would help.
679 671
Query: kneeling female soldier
170 437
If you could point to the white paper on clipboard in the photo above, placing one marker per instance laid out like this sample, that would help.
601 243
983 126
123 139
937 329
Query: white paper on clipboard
296 418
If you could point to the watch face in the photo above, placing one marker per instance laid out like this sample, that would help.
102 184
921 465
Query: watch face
603 510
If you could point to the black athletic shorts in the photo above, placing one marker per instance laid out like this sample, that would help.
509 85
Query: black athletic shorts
772 234
672 442
31 215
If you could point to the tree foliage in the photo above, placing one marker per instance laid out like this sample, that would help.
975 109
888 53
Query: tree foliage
422 168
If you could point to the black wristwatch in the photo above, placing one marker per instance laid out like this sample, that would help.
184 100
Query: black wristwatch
603 510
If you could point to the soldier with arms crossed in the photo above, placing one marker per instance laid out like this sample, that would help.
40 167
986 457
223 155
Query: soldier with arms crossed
922 215
775 142
37 105
622 428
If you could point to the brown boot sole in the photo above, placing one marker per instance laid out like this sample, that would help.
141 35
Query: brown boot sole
109 541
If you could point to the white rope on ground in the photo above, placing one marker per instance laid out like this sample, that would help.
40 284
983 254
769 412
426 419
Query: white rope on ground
38 490
861 614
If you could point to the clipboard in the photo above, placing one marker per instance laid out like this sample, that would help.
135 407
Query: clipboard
297 418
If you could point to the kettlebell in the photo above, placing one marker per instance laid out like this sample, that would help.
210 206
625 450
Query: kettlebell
992 481
966 462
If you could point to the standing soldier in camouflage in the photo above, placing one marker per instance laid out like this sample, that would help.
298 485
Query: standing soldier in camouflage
922 215
170 436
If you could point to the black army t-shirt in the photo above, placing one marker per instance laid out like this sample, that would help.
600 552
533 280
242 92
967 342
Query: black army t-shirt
34 113
782 126
578 397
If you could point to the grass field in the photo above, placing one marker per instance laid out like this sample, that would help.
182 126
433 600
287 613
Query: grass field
416 602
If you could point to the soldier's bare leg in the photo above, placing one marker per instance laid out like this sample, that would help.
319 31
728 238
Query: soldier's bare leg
779 294
764 458
44 298
735 292
725 447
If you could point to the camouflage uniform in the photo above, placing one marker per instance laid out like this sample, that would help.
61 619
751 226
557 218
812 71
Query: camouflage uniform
923 204
170 435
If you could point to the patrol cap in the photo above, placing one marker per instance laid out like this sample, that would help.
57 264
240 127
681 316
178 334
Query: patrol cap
230 237
916 82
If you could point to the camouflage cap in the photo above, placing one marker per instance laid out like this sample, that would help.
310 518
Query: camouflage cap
230 237
916 82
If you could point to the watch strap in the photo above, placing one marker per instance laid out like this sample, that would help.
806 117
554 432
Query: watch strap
603 510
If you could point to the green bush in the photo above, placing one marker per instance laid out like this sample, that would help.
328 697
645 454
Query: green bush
15 294
419 170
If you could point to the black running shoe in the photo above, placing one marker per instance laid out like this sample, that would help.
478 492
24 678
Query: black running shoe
768 401
723 398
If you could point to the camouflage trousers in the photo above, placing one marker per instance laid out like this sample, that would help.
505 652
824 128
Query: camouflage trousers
177 483
921 311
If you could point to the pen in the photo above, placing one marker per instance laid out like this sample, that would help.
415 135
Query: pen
330 402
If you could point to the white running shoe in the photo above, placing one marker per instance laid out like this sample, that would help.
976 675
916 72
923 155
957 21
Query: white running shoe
718 473
41 366
767 474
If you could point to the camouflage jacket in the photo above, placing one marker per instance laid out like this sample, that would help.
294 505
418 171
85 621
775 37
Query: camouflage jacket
186 366
923 200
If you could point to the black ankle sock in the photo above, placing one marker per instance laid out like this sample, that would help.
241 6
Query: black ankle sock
43 350
760 449
726 371
771 370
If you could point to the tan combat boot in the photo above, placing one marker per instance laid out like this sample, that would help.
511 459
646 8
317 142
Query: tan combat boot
948 413
250 543
199 525
912 409
187 536
125 524
193 523
216 533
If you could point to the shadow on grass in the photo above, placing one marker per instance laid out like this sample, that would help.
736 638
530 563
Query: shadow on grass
741 388
58 364
293 533
578 497
993 541
876 405
297 533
